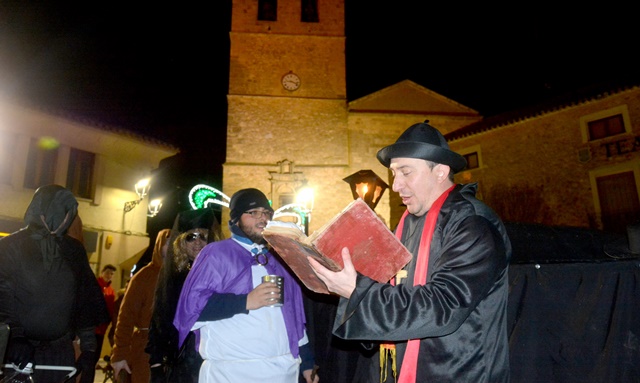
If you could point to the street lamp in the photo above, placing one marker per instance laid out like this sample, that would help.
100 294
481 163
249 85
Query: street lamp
367 185
142 189
154 207
304 198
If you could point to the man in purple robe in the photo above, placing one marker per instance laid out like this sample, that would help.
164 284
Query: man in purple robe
242 335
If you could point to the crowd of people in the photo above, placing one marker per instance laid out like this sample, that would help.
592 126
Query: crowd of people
201 311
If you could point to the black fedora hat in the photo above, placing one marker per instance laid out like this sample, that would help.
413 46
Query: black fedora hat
628 247
425 142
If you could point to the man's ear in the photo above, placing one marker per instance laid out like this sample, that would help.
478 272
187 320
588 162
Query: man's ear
443 172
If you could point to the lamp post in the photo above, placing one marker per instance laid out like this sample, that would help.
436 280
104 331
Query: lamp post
367 185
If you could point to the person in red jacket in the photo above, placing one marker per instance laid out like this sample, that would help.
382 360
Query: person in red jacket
104 280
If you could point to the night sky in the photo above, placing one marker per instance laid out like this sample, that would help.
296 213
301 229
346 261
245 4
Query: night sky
163 70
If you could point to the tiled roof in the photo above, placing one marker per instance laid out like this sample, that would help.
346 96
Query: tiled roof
114 129
566 100
130 133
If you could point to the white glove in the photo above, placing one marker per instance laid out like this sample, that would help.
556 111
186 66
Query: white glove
119 365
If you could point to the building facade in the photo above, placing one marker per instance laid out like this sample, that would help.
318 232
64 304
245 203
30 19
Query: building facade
573 162
287 103
99 164
290 126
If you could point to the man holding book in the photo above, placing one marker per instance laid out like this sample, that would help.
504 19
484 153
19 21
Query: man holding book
243 336
444 317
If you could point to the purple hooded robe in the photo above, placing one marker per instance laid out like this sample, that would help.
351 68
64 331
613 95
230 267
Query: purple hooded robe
225 267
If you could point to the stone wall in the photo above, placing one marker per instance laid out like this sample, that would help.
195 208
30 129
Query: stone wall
535 163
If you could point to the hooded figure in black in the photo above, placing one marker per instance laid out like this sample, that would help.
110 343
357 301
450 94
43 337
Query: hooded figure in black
168 362
48 292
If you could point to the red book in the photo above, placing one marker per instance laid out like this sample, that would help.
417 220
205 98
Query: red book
375 250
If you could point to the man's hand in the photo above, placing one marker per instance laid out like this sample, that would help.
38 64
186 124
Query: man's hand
263 295
311 376
119 365
342 282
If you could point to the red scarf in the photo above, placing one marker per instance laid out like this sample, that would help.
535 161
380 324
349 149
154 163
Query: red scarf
410 360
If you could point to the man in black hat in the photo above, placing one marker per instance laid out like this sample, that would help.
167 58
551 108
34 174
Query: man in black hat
443 318
243 336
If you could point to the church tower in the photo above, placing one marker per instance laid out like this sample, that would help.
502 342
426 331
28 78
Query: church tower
287 104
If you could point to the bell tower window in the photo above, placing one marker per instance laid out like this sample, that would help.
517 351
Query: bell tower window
268 10
309 11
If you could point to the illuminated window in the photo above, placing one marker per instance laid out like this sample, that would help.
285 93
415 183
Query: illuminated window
80 173
41 165
268 10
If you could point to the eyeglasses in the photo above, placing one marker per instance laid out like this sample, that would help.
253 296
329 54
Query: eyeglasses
257 214
193 236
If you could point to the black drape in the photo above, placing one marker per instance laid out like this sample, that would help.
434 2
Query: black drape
574 312
575 322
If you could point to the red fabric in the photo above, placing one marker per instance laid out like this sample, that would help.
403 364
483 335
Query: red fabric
110 297
410 360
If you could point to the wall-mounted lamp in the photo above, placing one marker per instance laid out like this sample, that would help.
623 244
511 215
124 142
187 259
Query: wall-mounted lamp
142 189
154 207
300 211
367 185
304 198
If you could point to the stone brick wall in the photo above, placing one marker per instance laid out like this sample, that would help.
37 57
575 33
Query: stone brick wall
270 129
258 62
531 168
537 160
330 12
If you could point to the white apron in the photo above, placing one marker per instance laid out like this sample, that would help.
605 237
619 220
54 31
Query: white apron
248 347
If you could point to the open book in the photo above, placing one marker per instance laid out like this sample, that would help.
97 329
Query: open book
375 250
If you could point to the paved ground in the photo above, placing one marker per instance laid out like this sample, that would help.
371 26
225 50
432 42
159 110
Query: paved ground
100 376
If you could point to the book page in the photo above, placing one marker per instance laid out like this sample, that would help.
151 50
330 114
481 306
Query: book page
289 229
